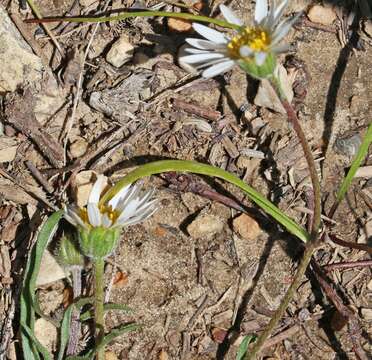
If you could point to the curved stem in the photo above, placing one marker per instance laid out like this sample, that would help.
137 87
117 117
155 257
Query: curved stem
99 267
292 117
315 226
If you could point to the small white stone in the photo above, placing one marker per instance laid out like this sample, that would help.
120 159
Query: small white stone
8 148
50 270
18 63
366 314
205 226
322 15
78 147
367 27
121 52
369 285
46 333
82 186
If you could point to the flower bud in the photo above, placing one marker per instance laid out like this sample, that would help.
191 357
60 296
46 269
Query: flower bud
98 242
68 252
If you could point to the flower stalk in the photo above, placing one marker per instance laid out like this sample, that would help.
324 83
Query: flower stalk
99 298
313 243
293 119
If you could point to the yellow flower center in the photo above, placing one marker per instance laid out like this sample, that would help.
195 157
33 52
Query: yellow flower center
111 214
255 38
104 209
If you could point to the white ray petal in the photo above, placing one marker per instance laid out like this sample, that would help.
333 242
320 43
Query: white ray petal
128 212
136 219
94 215
210 63
218 69
245 51
97 188
197 58
280 48
210 34
260 11
230 16
260 57
106 222
120 195
278 12
205 44
282 29
197 51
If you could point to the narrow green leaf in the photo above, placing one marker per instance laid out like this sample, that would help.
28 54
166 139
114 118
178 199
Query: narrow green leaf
106 307
65 331
243 347
147 13
40 348
360 156
158 167
27 301
117 332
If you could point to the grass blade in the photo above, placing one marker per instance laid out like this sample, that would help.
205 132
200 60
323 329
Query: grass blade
27 301
158 167
134 14
360 156
117 332
106 307
243 347
40 348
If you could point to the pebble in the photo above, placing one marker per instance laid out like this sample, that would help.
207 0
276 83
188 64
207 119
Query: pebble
109 355
78 148
348 145
357 104
246 227
366 314
18 63
50 270
46 333
205 226
367 27
322 15
121 52
179 25
364 172
369 285
82 186
8 148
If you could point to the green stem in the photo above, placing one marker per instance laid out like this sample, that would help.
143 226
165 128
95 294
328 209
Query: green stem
132 14
99 296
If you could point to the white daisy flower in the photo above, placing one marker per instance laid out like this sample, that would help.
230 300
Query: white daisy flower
128 207
219 52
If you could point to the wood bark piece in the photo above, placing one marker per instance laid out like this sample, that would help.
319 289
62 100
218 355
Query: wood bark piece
19 114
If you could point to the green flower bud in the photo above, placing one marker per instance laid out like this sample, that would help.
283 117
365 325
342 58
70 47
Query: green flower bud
263 71
98 242
68 252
